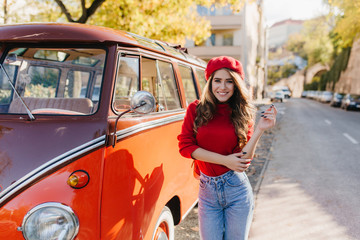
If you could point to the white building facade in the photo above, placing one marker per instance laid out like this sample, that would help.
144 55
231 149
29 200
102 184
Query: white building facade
239 35
279 32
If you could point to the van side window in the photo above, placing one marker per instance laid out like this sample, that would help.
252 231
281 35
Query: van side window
201 76
76 82
189 84
158 78
41 82
5 88
127 82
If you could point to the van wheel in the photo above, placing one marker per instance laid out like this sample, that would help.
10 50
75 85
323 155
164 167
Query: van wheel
164 228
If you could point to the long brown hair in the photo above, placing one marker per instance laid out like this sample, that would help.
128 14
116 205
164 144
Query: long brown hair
242 111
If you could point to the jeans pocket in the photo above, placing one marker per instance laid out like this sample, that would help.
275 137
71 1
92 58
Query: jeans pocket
236 180
202 184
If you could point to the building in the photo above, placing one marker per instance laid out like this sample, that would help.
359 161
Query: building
239 35
279 32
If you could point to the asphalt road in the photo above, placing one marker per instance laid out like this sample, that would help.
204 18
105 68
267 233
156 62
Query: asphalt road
311 188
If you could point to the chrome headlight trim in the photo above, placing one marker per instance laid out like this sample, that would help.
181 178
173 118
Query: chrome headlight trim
60 206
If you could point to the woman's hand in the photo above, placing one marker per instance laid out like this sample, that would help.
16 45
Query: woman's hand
237 163
267 118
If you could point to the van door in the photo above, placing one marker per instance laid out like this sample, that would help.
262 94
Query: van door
144 170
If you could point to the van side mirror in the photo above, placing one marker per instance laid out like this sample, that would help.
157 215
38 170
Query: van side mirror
142 102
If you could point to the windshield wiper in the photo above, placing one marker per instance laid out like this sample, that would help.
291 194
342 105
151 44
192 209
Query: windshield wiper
31 116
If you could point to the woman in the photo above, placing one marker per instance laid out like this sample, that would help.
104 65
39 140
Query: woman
216 133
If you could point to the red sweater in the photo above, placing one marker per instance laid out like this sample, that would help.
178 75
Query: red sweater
217 136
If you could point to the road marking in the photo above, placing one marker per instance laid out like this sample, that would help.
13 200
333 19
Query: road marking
350 138
328 121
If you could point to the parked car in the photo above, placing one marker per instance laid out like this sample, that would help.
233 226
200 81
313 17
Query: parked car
284 89
351 102
336 99
325 97
311 94
89 118
304 94
287 93
277 96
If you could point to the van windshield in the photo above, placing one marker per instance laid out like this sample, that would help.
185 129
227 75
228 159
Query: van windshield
54 81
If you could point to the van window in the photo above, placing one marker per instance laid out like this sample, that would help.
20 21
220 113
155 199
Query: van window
189 84
52 81
5 88
127 82
74 81
158 78
201 76
40 82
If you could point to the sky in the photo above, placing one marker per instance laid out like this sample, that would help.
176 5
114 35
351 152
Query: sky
278 10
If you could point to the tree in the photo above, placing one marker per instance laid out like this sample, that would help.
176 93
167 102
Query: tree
296 44
347 17
86 12
313 43
169 20
8 13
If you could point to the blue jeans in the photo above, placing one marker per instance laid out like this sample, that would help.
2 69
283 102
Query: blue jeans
226 206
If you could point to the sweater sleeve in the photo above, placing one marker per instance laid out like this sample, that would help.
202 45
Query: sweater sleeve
187 140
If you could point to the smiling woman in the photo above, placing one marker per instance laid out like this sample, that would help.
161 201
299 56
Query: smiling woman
218 131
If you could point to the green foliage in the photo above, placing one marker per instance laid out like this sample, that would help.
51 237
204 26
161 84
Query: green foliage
332 76
275 73
347 16
47 78
313 43
314 85
39 91
171 20
5 96
296 44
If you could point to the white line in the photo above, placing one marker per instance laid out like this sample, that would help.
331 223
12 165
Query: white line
328 121
350 138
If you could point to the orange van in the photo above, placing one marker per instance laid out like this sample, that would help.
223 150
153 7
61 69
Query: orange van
88 124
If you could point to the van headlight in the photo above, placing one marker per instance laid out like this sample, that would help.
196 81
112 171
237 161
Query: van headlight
50 221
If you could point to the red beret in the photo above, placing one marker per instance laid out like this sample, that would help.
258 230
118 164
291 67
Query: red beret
217 63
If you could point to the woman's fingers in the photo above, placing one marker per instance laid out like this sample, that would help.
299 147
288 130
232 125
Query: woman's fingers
238 164
270 113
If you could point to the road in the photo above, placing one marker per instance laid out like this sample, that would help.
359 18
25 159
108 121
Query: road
311 188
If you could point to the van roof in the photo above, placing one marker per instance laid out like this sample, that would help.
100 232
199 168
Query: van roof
83 33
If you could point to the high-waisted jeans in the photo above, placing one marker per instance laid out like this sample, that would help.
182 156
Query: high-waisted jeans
226 206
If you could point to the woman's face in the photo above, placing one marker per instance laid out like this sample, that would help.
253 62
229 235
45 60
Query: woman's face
222 85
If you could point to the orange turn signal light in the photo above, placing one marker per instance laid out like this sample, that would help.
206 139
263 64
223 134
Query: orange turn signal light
78 179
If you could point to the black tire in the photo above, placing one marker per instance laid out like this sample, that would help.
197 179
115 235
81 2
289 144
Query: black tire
164 228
